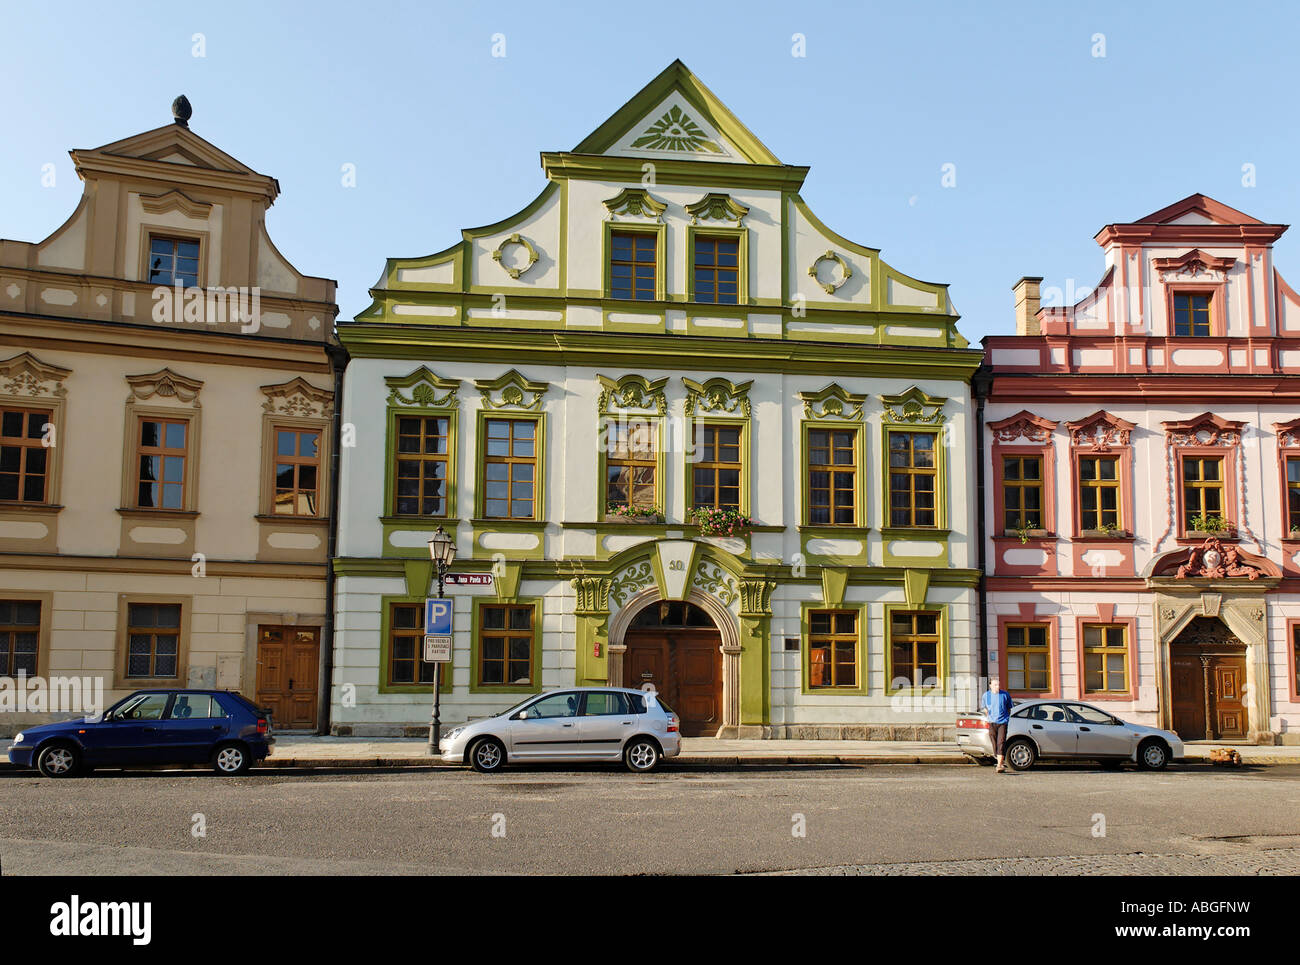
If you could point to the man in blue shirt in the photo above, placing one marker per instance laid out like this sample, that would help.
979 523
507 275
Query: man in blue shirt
997 708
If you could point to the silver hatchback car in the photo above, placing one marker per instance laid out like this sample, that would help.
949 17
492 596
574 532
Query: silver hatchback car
578 724
1069 729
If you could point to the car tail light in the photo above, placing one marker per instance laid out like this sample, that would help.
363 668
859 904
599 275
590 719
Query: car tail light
263 725
672 724
972 723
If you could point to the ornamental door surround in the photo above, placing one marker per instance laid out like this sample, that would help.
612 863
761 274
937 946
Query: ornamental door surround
1244 610
722 618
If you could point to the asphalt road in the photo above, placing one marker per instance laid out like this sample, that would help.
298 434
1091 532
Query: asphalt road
872 820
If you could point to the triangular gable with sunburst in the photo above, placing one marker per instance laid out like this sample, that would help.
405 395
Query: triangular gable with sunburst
676 116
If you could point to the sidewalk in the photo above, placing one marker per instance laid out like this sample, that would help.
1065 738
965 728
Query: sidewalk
292 751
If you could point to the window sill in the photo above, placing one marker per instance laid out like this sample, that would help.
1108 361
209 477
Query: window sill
35 509
137 513
1195 537
1034 536
291 520
914 532
830 529
520 525
1097 535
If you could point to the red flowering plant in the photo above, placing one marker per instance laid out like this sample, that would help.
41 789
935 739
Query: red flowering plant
721 522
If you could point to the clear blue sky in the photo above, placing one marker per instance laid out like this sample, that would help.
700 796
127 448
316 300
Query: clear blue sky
1049 142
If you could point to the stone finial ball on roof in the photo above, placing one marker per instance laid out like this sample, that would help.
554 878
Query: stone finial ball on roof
181 110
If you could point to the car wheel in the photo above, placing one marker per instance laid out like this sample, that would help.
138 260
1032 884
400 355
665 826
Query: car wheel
230 759
487 755
1153 755
1021 754
641 755
58 760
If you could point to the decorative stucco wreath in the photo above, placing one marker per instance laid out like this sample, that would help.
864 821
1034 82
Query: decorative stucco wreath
515 239
831 286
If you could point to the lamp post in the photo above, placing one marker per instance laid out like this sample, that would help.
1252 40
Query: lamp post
443 551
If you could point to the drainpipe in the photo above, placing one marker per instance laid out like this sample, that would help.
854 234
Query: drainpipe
982 388
338 356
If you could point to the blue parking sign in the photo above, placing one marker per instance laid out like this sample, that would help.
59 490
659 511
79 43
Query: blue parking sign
437 616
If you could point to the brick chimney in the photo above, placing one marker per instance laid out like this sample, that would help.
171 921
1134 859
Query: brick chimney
1026 299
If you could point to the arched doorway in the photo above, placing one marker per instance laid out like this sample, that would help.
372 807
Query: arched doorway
675 646
1207 676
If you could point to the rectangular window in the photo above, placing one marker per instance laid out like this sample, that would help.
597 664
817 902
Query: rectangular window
633 260
505 645
717 270
1099 507
24 458
510 468
153 639
832 476
161 451
1191 315
630 464
912 479
1029 661
1202 492
1295 656
20 631
297 472
1022 492
421 471
832 648
172 260
1105 658
914 648
1293 497
717 468
406 664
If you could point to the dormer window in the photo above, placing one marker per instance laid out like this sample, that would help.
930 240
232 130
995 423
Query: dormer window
1191 314
173 260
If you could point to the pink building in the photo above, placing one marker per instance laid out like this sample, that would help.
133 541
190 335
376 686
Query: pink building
1142 483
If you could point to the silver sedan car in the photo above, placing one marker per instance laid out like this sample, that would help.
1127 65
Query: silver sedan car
1068 729
576 724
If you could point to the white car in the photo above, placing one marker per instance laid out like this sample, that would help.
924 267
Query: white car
577 724
1068 730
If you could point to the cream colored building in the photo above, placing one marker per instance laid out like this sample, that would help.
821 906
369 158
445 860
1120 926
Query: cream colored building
167 406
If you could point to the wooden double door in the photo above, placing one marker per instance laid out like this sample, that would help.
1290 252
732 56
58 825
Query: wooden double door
288 668
685 666
1208 689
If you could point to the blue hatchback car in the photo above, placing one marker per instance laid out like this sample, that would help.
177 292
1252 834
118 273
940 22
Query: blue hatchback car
215 727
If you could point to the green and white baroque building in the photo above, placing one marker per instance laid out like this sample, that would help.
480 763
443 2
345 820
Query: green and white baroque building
669 328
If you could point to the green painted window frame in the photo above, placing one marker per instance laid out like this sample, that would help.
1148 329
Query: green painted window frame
476 624
863 688
386 648
661 460
746 462
659 230
741 234
390 462
940 478
945 645
480 464
861 488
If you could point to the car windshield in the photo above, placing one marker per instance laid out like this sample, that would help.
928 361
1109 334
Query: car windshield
519 706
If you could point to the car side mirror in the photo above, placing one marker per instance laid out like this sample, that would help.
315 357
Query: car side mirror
522 715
